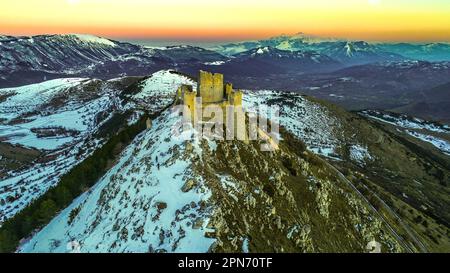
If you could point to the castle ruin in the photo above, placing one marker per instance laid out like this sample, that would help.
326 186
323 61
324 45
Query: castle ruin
214 104
212 91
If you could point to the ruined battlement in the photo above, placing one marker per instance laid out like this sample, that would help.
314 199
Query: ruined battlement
187 95
211 90
210 87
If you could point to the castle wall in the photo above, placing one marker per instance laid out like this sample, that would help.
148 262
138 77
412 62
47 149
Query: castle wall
179 97
189 100
228 89
235 98
210 87
212 91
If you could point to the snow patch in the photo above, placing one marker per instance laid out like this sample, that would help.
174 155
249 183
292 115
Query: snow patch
359 154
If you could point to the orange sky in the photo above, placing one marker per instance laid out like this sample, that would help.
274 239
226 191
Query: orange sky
394 20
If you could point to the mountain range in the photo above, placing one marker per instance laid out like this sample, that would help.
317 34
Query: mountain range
364 51
353 74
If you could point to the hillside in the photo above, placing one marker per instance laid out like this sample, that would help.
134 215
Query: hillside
338 181
55 125
170 194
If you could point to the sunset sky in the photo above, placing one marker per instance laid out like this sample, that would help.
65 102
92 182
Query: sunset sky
376 20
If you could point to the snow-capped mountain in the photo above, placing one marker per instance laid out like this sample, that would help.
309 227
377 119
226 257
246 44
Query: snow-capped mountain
354 53
264 61
60 53
337 181
34 59
304 61
38 58
299 41
347 52
271 53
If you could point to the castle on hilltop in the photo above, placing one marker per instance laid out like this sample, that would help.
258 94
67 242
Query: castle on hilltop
212 91
217 105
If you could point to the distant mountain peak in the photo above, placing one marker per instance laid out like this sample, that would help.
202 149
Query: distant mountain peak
266 49
304 37
352 47
88 38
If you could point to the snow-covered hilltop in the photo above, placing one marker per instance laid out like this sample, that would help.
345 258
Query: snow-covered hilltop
87 38
181 194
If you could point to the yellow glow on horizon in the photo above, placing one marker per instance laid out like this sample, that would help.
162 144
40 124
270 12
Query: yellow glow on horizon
412 20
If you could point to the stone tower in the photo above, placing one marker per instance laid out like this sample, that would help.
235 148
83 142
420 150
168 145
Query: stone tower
210 87
212 91
188 96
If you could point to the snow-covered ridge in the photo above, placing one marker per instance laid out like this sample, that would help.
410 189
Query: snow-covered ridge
159 89
145 203
91 39
162 84
27 98
62 54
415 127
406 122
29 109
215 63
442 145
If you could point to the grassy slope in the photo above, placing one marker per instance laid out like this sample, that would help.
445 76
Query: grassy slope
408 175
